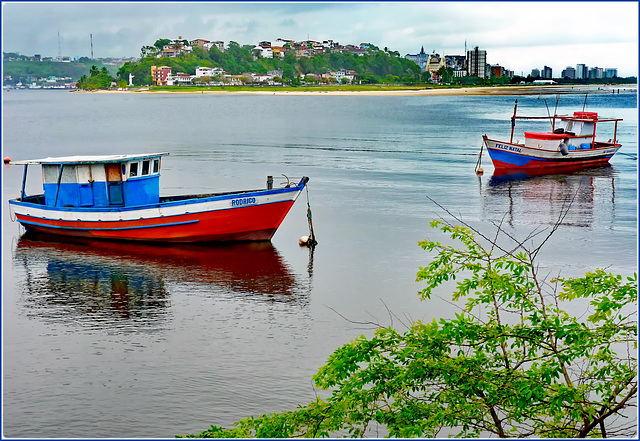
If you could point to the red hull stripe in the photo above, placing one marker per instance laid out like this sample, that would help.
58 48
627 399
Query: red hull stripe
533 164
257 222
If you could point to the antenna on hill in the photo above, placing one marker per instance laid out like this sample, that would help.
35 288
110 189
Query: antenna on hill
91 36
59 52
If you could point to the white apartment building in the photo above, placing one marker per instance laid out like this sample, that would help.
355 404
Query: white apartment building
202 71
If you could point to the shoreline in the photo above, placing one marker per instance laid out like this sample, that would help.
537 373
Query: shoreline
478 91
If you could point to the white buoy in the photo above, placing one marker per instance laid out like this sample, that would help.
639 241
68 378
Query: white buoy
304 241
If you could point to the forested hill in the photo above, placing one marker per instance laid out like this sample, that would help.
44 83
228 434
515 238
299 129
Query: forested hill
372 67
20 70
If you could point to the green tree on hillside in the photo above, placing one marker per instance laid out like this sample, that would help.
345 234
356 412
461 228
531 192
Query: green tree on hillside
161 43
147 51
238 59
98 79
510 363
21 70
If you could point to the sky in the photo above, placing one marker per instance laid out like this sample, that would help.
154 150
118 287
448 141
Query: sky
519 36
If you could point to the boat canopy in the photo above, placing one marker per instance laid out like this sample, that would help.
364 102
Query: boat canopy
98 159
587 117
98 181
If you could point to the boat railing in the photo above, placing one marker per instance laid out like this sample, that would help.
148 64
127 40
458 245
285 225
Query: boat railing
33 199
204 195
541 117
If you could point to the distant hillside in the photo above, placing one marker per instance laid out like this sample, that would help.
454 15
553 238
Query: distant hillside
21 70
372 65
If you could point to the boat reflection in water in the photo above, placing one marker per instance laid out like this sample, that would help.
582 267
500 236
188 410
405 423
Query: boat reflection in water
96 281
541 198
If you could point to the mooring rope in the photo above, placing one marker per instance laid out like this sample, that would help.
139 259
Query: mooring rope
479 162
312 238
629 155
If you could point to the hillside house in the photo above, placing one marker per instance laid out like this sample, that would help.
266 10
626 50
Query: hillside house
200 43
278 51
179 79
211 72
343 74
262 51
169 53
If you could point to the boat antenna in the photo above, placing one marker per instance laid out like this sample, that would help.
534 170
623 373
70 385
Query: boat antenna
585 101
548 113
513 121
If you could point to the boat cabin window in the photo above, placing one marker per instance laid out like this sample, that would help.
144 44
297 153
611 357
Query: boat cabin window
143 167
51 172
587 129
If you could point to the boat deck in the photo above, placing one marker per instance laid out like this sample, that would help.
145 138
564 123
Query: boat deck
40 199
204 195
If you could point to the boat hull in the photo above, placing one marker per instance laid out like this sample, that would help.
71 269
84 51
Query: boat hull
245 216
510 156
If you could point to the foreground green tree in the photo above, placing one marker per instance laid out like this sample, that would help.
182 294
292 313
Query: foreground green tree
511 363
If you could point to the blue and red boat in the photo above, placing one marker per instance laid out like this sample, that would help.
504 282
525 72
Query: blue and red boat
118 197
571 144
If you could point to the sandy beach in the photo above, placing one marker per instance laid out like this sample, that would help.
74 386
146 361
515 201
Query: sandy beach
494 90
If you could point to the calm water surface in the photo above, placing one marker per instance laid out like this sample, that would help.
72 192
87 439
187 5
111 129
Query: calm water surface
150 341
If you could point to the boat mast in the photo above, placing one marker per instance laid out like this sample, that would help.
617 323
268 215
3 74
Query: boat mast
513 121
55 202
24 182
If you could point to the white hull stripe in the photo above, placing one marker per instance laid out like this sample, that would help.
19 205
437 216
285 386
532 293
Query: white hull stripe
157 211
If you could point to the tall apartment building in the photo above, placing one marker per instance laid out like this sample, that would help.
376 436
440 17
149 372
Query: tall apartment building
160 75
547 73
498 71
582 72
477 63
569 73
596 73
610 72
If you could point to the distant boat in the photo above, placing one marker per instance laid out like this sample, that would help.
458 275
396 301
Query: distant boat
117 197
571 144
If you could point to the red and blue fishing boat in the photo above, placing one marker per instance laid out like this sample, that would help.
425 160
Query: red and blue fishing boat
570 144
118 197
